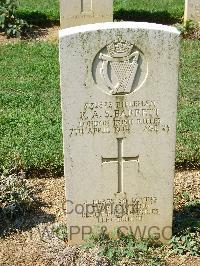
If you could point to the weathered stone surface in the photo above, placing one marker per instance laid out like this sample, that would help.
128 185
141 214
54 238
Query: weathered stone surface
119 86
76 12
192 10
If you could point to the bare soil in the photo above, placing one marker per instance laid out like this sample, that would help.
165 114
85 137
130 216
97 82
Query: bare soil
38 34
34 243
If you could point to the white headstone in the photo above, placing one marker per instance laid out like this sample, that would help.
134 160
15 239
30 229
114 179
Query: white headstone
79 12
119 86
192 10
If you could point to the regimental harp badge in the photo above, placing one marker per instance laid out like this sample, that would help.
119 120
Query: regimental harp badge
121 61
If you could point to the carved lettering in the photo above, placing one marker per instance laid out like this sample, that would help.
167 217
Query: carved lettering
119 117
121 209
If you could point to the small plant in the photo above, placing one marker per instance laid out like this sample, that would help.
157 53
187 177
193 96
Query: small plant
190 26
127 248
188 29
187 243
16 197
60 231
10 24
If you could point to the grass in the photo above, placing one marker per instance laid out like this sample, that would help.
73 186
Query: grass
30 115
188 147
163 11
39 12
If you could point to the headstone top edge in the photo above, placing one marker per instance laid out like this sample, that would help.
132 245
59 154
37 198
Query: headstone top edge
117 25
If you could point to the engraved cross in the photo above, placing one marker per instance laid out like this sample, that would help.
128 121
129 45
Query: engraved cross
86 6
120 161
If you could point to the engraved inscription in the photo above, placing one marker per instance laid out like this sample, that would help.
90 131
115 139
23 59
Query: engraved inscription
88 14
120 209
118 117
120 161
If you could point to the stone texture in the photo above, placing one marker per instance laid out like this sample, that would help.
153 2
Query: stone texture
119 86
76 12
192 10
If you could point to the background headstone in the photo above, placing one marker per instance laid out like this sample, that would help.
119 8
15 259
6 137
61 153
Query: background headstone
192 10
119 86
79 12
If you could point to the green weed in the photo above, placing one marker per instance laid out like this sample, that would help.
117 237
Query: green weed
127 248
61 231
188 243
9 22
16 196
